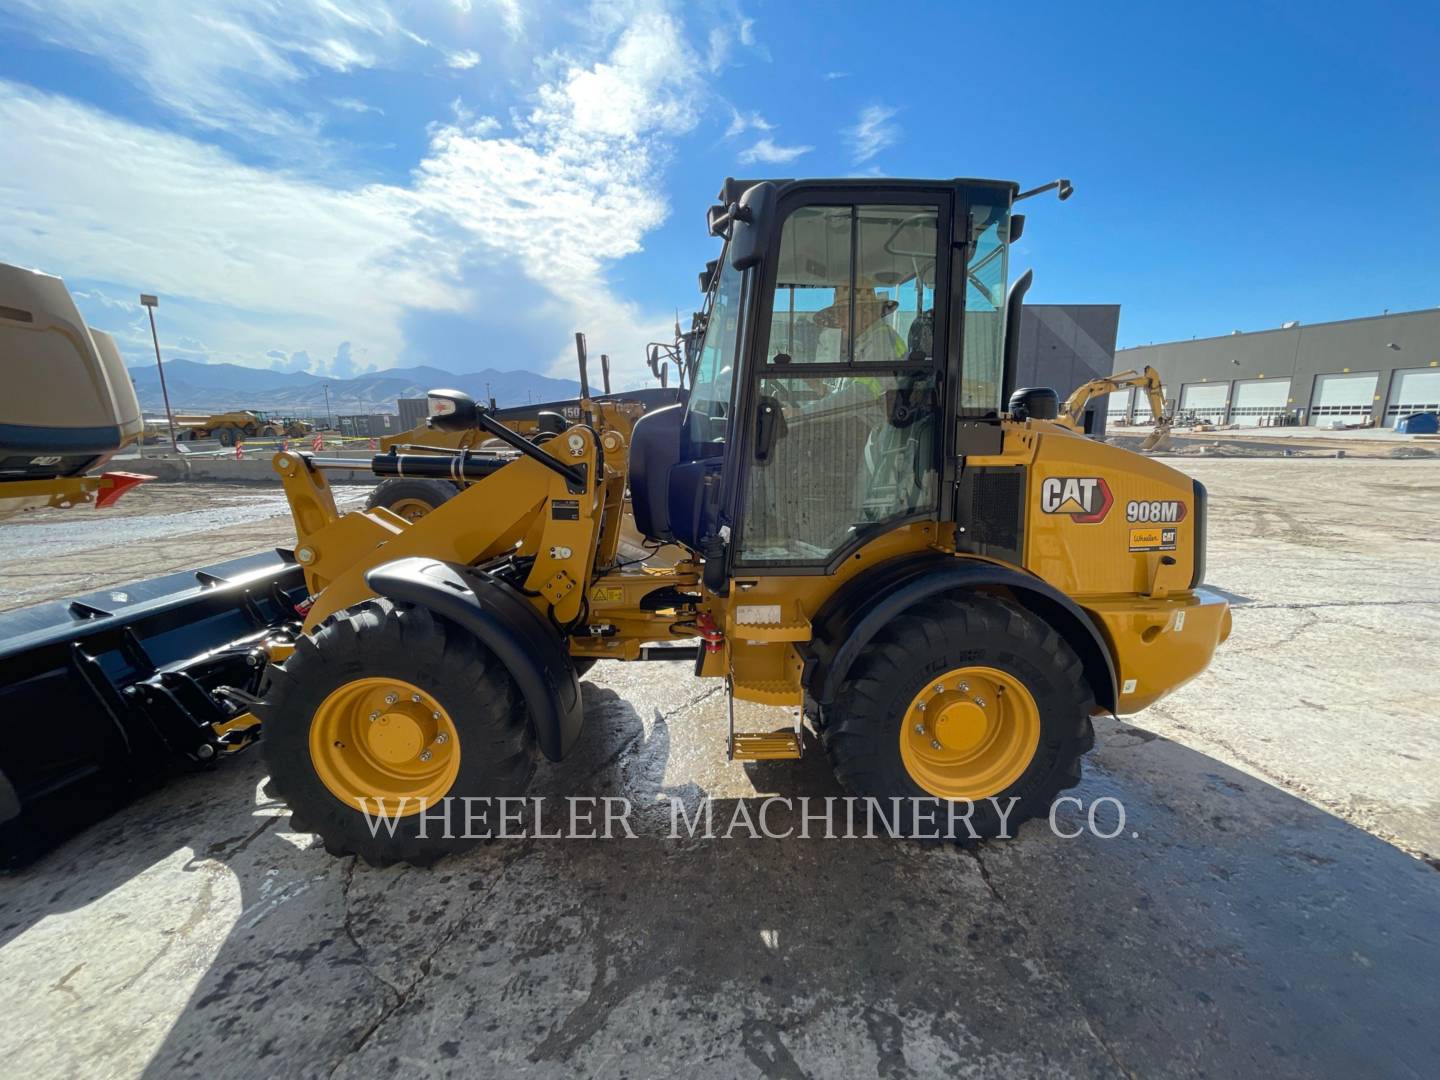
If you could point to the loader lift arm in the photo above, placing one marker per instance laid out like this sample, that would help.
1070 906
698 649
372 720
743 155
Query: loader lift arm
1072 412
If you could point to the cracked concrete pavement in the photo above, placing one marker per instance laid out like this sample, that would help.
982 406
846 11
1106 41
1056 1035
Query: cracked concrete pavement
1262 911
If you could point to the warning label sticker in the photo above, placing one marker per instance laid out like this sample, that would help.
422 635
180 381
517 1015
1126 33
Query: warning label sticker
1152 539
607 594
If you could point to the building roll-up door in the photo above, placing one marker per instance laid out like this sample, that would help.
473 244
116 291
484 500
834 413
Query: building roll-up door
1117 407
1205 401
1349 397
1259 401
1414 391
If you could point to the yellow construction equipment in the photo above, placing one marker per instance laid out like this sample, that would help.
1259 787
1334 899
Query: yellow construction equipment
948 591
885 542
240 424
1073 411
69 405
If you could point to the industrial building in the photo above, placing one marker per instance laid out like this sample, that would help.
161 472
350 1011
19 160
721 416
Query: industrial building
1063 346
1367 371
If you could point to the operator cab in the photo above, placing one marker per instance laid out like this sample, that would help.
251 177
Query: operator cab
844 320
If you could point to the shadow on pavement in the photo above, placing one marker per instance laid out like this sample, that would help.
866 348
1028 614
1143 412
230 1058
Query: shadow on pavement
1229 929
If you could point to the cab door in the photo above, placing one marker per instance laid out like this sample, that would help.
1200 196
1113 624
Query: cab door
843 419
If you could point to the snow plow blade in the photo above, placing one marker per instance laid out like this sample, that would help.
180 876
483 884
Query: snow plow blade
105 694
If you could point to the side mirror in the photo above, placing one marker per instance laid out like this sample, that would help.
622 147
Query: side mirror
451 410
752 218
653 360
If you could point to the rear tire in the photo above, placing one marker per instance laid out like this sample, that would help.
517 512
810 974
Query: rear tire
411 497
225 437
382 640
934 645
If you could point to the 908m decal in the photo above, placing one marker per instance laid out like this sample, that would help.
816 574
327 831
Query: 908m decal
1155 510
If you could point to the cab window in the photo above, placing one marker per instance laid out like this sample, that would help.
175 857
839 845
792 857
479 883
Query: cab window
847 414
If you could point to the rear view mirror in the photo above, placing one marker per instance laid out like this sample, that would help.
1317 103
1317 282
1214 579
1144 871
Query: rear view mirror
751 219
451 410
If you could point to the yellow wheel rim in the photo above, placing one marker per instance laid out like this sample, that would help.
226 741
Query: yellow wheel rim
411 509
376 742
970 733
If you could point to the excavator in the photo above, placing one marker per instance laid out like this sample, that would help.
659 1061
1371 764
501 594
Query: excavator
1072 413
890 552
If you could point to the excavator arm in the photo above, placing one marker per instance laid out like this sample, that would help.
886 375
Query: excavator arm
1148 380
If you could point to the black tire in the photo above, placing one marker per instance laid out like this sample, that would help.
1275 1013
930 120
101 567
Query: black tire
861 731
225 436
380 638
269 432
401 489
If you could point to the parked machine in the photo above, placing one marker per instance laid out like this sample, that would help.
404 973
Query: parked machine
1073 412
885 540
228 428
69 406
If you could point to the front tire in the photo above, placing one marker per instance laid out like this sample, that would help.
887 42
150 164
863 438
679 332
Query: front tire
411 497
960 700
389 708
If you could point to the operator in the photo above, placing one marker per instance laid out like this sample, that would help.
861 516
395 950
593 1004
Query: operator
871 340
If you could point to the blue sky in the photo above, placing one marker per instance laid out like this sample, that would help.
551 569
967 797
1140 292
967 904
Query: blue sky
338 186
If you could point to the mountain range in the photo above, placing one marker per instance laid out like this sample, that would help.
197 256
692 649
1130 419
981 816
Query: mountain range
196 387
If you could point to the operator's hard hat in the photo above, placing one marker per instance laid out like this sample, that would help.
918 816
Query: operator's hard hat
865 296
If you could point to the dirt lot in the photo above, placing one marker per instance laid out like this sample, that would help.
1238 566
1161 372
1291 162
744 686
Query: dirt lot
1263 911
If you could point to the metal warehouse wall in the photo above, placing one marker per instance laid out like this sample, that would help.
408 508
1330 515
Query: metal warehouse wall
1382 343
1064 345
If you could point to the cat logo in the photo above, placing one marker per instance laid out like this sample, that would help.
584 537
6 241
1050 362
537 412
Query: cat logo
1086 499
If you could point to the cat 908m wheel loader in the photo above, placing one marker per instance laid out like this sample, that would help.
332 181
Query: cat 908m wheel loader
882 537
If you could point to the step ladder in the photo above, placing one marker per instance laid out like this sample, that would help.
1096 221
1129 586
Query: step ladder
763 745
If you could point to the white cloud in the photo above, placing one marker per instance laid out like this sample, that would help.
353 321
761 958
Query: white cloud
743 122
225 64
502 225
831 76
463 60
355 105
874 131
765 150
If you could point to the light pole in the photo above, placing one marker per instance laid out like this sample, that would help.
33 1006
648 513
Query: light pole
151 302
326 388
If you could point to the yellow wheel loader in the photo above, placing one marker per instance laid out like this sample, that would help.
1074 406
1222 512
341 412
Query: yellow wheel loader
885 541
947 582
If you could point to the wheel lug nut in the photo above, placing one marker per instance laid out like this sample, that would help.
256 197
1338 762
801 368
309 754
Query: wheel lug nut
935 743
375 716
434 716
921 706
441 738
390 699
919 729
414 697
939 688
963 687
980 701
424 755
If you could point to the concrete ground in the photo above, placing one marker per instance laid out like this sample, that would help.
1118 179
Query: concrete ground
1262 912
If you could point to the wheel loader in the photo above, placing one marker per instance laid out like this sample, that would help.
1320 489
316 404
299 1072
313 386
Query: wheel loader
890 551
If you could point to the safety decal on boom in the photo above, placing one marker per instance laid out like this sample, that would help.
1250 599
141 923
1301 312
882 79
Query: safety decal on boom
1086 499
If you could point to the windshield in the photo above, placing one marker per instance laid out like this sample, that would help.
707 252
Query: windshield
985 305
709 407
